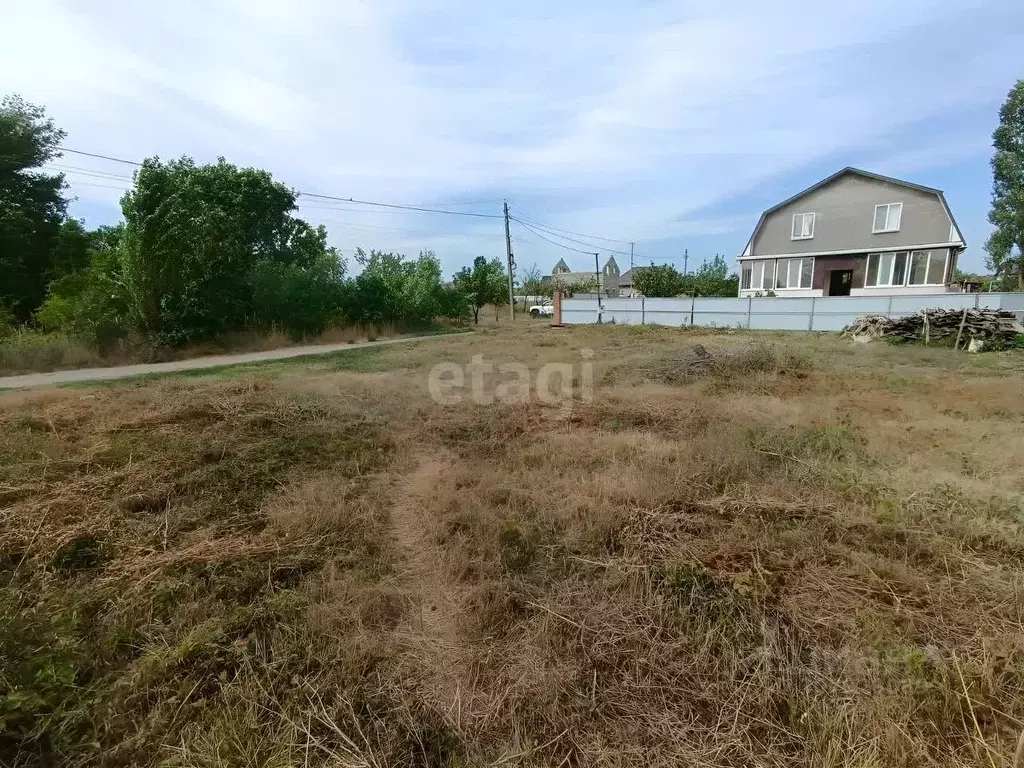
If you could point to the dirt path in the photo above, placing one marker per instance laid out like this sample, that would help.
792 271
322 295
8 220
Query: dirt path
437 607
215 361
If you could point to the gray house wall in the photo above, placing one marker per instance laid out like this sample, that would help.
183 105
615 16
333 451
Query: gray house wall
845 210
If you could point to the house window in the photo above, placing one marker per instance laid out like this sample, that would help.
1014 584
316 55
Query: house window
803 226
794 273
772 274
758 275
886 269
927 268
887 217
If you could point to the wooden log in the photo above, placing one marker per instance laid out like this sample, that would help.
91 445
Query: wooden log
959 333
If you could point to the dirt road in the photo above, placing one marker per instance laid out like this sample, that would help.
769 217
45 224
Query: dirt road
127 371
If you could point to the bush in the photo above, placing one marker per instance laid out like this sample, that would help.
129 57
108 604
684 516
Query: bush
91 305
306 301
393 290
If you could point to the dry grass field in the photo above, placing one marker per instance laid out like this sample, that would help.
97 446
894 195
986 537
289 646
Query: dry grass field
744 550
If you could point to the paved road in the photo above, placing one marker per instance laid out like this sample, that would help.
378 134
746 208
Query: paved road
127 371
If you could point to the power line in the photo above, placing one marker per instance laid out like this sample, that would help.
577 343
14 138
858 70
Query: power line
399 207
318 196
103 186
560 245
476 235
86 172
570 232
573 240
386 212
101 157
474 202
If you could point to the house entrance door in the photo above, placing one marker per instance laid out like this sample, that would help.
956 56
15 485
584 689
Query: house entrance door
839 282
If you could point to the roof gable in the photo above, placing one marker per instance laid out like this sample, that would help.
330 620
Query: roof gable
844 172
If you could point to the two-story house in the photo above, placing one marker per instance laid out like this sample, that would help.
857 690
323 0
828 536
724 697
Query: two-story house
854 233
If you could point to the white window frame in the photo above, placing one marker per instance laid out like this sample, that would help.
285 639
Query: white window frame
892 270
803 222
761 271
928 267
888 213
785 264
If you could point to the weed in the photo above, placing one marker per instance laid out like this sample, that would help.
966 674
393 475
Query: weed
517 549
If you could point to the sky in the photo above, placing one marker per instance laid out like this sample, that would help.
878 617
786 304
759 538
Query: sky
670 125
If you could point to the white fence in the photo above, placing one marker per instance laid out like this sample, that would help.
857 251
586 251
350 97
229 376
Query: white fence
811 314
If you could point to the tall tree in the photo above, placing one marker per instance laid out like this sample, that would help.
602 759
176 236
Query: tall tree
32 206
483 284
1005 245
192 234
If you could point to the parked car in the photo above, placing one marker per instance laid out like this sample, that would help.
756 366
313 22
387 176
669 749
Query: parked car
542 310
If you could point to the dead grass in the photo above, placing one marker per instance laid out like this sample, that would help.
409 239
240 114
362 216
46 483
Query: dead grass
29 351
769 558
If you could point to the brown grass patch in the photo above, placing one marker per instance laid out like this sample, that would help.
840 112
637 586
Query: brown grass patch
780 561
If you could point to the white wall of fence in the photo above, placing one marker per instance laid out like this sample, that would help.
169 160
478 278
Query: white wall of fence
810 314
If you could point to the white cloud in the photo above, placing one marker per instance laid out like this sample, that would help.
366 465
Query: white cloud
631 122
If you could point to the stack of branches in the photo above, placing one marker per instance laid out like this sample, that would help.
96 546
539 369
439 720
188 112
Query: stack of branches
933 324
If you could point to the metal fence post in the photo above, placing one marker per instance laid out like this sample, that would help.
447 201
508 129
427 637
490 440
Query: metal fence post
810 320
693 301
643 310
750 300
888 312
977 299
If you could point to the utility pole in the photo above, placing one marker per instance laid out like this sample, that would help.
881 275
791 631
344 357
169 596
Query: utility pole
686 259
631 257
511 267
597 274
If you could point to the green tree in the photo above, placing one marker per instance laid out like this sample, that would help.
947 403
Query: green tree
662 280
485 283
306 298
32 206
712 279
394 290
192 236
1005 245
91 302
71 249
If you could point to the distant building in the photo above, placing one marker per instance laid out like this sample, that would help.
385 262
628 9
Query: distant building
607 279
627 289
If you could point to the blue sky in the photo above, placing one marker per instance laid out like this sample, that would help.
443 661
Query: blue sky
671 124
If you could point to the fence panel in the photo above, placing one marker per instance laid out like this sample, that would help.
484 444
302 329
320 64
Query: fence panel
911 305
625 311
775 314
675 312
780 314
1013 302
720 312
579 311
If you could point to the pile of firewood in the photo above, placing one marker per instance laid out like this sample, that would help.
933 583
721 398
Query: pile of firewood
933 324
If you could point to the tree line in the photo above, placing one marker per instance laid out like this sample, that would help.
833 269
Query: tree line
202 250
206 249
